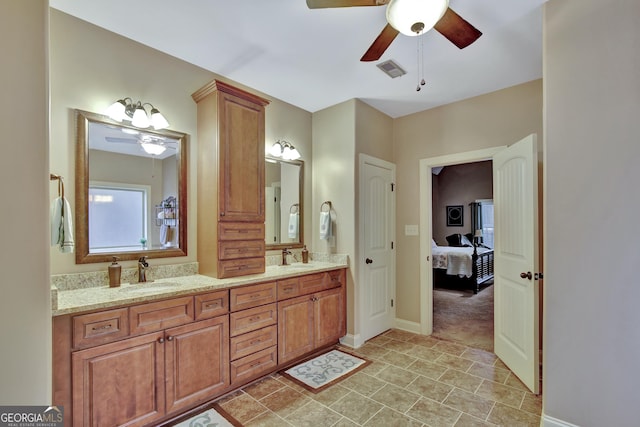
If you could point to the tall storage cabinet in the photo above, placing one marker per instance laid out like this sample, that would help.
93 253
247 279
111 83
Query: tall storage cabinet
230 181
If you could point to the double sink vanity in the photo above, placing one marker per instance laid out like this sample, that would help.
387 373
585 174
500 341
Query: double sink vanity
144 353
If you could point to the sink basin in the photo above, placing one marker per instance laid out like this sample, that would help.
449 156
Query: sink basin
149 287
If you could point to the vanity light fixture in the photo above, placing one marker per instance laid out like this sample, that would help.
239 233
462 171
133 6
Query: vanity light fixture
126 109
285 150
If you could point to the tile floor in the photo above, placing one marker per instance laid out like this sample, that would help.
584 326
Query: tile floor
414 380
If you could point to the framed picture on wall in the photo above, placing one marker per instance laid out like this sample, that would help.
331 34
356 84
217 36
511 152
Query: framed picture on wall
455 216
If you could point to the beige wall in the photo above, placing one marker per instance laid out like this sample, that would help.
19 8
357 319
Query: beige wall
495 119
91 68
25 306
592 111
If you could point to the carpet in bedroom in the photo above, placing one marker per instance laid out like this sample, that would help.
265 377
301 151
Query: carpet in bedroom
460 315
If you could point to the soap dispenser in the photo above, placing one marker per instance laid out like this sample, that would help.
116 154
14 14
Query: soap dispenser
114 273
305 255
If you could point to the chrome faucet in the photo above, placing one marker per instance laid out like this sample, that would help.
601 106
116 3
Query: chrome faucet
285 252
142 269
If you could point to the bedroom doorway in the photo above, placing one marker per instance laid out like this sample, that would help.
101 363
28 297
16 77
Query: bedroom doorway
516 253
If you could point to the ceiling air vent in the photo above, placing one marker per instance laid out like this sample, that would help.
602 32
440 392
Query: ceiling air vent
391 69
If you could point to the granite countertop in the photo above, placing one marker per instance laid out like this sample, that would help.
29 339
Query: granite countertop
68 301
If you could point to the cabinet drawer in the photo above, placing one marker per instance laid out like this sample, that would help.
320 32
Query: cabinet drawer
252 319
240 249
100 328
254 365
211 305
315 283
249 343
240 231
160 315
288 288
252 296
240 267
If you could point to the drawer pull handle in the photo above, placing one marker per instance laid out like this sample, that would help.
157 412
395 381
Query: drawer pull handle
255 296
289 289
212 305
254 342
255 364
254 319
103 327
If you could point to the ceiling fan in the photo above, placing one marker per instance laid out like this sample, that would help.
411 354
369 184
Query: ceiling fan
149 144
412 18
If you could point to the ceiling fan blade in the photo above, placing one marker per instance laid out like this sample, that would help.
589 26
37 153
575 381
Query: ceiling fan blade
380 44
457 30
125 140
322 4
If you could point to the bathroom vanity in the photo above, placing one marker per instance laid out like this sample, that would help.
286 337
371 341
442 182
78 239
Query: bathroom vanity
145 353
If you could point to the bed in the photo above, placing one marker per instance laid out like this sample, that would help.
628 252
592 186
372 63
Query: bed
466 266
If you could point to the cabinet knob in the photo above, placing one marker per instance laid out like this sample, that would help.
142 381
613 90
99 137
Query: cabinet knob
368 261
160 340
169 338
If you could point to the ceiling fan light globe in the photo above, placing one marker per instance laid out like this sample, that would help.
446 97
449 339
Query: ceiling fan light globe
403 14
153 149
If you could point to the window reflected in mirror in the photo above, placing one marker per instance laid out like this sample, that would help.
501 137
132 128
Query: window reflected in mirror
283 203
130 191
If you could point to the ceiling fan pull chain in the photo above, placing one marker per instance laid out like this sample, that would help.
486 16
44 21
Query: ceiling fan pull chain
422 82
418 56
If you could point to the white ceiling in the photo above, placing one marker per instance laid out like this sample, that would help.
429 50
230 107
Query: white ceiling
311 58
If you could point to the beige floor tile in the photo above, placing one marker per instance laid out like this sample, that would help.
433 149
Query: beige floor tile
500 393
356 407
396 398
427 369
389 418
285 401
380 340
397 376
532 403
398 359
372 351
515 382
313 414
397 334
243 408
478 355
469 403
399 346
504 415
345 422
461 380
467 420
268 419
433 413
375 367
424 353
450 347
263 388
329 395
454 362
363 383
429 388
489 372
424 341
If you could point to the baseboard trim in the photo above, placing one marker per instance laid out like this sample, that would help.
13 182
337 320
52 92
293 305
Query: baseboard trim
408 326
547 421
353 341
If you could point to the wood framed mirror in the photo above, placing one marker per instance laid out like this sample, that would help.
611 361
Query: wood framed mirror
284 225
131 191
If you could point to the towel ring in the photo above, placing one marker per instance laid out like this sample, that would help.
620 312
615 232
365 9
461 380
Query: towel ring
60 180
295 206
328 203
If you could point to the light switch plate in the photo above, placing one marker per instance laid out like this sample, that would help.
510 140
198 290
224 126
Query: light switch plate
411 230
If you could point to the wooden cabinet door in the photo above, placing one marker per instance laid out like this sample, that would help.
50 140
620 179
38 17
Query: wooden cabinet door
121 383
295 327
329 319
197 361
241 174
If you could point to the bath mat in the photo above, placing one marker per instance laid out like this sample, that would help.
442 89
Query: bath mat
213 416
325 370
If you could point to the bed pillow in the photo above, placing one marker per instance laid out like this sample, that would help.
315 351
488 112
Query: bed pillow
454 240
433 244
464 241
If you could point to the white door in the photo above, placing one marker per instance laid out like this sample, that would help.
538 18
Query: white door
515 197
377 263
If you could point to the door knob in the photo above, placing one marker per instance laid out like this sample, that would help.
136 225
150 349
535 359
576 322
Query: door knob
368 260
526 275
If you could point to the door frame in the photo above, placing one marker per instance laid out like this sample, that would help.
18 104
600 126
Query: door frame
426 223
360 263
